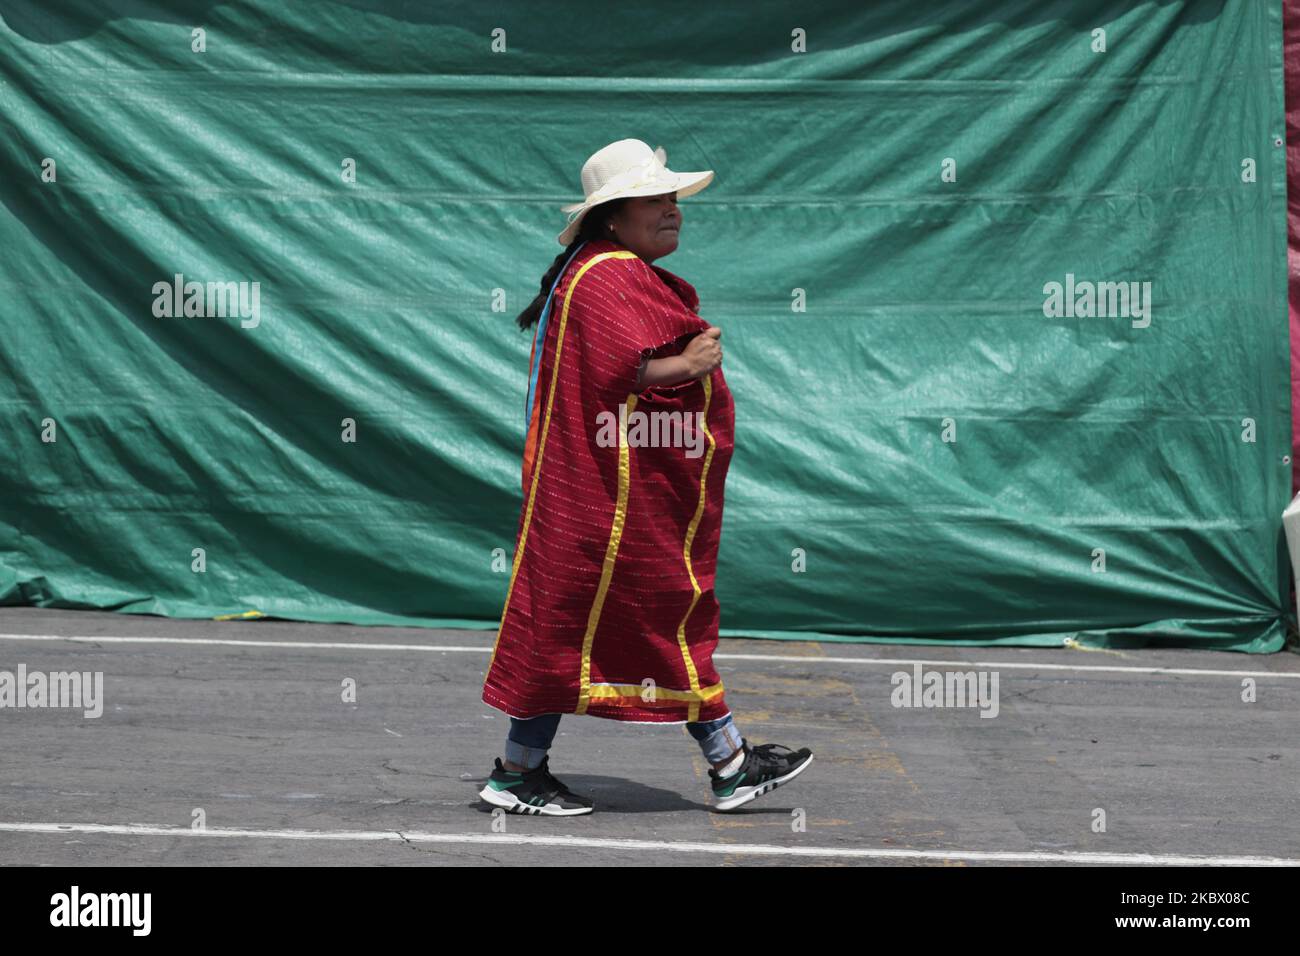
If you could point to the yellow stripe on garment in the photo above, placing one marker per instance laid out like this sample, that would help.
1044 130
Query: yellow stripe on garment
686 554
611 555
541 444
660 693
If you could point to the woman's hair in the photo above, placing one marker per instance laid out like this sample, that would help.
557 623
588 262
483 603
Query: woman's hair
593 227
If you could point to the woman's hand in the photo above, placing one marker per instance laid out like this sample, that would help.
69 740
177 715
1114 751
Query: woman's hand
701 356
704 352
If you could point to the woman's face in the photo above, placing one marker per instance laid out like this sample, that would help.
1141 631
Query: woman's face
648 225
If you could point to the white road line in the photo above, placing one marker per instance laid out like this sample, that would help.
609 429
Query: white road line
672 846
881 661
231 642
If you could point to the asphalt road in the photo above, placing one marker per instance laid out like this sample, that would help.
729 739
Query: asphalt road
257 738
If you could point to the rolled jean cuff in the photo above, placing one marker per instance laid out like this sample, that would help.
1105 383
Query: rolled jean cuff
523 756
721 743
529 739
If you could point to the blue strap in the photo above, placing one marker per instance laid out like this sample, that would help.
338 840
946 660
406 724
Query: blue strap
539 343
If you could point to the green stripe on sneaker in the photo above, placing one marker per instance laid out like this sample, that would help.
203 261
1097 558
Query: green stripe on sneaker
731 787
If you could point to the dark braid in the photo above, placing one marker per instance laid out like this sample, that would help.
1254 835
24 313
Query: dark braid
594 226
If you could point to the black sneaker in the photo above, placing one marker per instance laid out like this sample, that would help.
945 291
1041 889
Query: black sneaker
766 767
533 791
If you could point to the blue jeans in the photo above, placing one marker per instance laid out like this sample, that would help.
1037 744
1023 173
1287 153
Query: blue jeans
528 740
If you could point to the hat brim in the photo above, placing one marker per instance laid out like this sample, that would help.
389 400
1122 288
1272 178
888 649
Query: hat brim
684 184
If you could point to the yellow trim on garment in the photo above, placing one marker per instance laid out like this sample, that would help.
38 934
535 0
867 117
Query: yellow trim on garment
686 553
611 555
660 693
541 444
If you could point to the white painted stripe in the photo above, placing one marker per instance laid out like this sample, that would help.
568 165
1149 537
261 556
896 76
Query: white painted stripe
881 661
232 642
1017 665
596 843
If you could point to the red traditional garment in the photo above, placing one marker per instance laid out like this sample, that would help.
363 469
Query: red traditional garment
612 582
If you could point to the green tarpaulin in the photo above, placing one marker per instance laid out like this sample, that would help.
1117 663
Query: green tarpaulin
934 443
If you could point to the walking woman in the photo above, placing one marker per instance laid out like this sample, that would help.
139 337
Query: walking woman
610 610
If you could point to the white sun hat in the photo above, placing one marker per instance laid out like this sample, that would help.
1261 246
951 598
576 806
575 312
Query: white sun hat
628 168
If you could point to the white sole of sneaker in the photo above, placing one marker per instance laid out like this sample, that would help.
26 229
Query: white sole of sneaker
512 804
745 794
